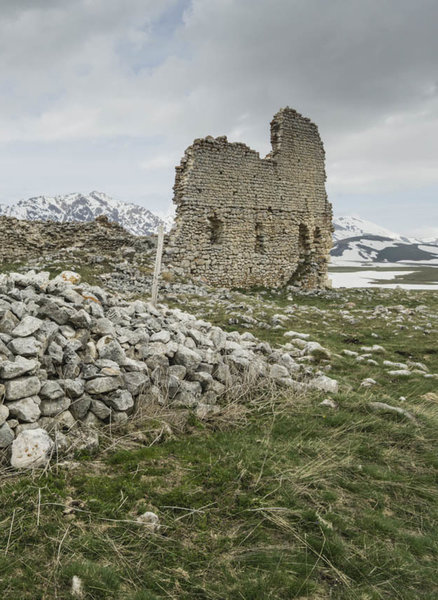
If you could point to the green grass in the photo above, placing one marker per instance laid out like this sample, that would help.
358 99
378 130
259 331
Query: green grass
9 267
280 498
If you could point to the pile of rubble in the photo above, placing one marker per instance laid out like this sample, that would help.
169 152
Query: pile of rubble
73 356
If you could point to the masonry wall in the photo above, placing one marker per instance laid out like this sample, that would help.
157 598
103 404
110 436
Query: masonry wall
244 221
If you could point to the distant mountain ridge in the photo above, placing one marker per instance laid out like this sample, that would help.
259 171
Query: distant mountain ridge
84 208
354 239
347 226
358 240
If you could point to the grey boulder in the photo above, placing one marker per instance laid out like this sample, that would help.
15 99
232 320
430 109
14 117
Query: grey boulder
22 388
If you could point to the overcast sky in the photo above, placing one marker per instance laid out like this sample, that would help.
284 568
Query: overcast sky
107 94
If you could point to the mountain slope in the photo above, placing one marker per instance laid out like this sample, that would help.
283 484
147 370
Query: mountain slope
83 208
348 227
374 248
358 240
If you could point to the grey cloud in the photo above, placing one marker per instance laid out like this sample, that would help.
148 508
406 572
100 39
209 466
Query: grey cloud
365 71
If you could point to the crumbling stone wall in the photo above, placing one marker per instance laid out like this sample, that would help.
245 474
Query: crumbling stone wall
22 240
244 221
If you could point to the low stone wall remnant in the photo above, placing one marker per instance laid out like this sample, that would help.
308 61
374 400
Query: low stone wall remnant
21 240
73 356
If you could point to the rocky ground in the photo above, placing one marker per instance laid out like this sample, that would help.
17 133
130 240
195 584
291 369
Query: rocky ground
270 444
73 356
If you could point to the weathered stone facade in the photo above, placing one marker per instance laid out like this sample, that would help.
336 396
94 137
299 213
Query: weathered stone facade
244 221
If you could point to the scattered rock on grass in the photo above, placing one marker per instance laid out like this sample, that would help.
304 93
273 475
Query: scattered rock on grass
31 448
150 520
382 406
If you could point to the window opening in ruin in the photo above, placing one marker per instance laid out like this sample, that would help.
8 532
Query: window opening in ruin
216 230
304 253
260 239
317 237
303 240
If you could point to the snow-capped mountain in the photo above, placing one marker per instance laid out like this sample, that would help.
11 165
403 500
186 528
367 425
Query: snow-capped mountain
358 240
86 207
346 227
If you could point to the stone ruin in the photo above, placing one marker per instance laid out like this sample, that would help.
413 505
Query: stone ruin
244 221
25 240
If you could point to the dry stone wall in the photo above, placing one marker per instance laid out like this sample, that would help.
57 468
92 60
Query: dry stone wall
22 240
244 221
73 356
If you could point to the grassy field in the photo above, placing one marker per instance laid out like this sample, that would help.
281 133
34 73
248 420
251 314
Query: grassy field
276 498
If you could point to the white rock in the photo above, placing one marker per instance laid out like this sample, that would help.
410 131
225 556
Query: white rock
136 382
4 413
397 365
6 435
28 346
315 349
102 385
51 390
150 520
400 373
26 409
162 336
329 403
38 280
51 408
119 417
120 400
374 348
100 409
27 326
417 365
188 358
368 382
31 448
278 371
25 426
22 388
21 366
70 277
295 334
77 587
65 420
324 383
388 408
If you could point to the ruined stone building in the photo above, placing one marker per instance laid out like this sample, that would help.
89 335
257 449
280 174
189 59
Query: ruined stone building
244 221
